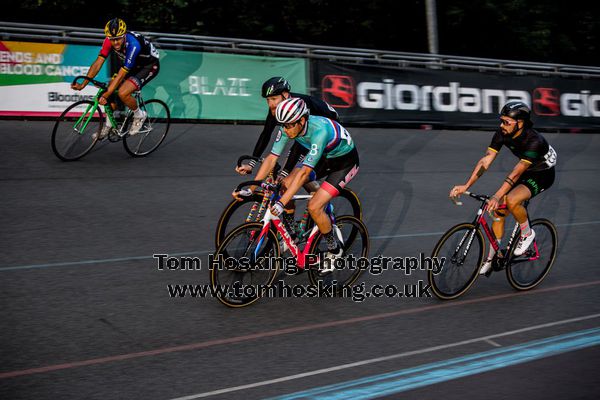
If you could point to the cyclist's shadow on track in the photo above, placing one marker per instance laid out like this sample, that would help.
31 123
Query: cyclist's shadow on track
392 205
184 106
561 199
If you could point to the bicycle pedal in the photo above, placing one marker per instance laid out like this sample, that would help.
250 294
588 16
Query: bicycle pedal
113 137
497 264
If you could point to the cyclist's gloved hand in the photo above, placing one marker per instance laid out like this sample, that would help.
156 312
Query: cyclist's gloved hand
78 86
458 190
102 100
281 176
245 169
277 208
493 204
242 193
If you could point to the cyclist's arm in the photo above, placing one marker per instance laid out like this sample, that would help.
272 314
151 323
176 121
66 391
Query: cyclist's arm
295 153
299 180
115 82
512 178
92 72
266 167
265 137
95 68
482 166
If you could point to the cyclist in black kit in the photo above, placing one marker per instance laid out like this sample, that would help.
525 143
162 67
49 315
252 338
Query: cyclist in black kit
275 90
533 174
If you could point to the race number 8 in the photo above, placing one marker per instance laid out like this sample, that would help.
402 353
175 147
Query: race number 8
314 149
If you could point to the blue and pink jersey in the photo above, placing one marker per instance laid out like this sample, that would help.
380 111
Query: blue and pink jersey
136 51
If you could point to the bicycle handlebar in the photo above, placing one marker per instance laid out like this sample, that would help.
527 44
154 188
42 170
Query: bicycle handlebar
96 83
480 197
246 157
264 185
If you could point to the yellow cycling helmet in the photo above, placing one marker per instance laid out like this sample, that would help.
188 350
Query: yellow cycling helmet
115 28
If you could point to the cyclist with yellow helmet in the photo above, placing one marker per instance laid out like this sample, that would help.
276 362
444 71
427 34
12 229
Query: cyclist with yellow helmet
139 65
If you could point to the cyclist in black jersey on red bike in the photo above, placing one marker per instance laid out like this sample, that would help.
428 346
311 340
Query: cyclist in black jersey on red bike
533 174
275 90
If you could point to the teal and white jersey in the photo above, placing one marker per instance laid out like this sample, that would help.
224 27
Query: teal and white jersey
323 137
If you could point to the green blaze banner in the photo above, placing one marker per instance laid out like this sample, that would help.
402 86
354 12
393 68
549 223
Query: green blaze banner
216 86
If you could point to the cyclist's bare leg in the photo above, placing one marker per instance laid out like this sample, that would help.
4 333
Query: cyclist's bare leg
514 202
316 208
498 223
125 91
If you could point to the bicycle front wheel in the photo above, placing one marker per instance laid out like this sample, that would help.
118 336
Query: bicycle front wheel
460 250
355 240
73 130
245 265
529 269
153 131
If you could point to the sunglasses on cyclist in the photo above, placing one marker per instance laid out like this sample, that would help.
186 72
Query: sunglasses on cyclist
506 121
291 124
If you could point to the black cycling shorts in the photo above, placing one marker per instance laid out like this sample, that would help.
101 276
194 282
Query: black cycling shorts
537 181
140 76
339 171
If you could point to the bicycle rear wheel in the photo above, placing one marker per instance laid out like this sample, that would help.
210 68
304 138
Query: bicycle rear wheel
461 252
355 239
246 267
347 203
153 131
236 213
72 133
528 270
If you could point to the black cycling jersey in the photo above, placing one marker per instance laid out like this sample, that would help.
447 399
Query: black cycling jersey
530 146
316 107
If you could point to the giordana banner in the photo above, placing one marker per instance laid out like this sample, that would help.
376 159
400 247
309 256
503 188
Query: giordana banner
218 86
35 78
372 94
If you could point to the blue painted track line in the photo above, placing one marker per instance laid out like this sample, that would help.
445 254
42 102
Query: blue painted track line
412 378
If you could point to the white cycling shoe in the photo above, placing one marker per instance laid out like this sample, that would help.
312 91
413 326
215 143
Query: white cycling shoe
487 266
524 244
106 128
137 124
329 262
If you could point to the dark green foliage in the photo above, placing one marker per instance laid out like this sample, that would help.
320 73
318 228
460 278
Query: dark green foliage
534 30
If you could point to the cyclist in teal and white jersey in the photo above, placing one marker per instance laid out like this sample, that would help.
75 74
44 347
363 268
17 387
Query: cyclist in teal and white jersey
533 174
331 154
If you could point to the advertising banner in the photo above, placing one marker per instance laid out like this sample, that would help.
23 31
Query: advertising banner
373 94
35 78
218 86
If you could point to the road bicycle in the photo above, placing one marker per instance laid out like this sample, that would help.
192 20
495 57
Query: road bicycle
252 208
250 255
462 247
73 133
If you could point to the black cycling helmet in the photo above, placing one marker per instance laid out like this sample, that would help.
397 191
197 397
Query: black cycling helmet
516 110
275 86
115 28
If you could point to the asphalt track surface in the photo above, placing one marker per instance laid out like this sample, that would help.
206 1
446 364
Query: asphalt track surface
86 313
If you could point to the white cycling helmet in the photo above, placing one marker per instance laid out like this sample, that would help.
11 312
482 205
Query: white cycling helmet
290 110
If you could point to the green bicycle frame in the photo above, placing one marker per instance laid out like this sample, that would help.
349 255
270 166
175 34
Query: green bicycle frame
92 108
